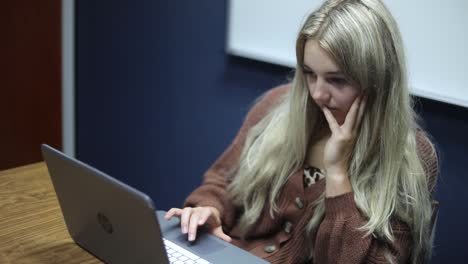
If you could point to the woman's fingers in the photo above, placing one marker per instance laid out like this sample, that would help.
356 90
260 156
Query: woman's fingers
192 218
362 107
201 216
218 231
350 120
173 212
183 214
185 219
193 226
334 127
205 214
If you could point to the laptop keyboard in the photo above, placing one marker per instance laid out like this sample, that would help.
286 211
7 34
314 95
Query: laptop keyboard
179 255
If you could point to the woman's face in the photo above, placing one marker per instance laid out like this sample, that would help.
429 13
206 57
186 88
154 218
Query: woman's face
327 85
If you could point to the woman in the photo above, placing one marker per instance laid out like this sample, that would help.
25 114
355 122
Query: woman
331 168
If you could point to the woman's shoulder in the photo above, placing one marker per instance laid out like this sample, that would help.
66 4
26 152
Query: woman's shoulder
273 96
265 102
428 156
279 90
426 149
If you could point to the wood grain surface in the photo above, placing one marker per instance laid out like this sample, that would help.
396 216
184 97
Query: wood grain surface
32 229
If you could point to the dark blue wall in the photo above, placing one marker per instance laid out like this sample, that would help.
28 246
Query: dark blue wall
158 100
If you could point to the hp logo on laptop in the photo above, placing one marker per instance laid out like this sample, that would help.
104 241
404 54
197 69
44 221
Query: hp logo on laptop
105 223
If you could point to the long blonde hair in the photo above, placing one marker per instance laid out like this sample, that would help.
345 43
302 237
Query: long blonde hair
386 173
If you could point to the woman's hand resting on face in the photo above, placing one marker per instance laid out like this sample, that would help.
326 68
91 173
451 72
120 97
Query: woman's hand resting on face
192 218
339 147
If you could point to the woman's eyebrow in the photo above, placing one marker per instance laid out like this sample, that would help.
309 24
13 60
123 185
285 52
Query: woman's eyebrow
337 73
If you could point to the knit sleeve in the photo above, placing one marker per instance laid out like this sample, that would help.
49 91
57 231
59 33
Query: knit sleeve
213 190
339 239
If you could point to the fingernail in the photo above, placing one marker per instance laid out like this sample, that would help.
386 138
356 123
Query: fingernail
184 229
191 237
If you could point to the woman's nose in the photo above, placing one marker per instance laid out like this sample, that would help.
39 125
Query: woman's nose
320 93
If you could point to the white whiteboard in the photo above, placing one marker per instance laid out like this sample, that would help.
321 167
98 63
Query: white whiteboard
434 33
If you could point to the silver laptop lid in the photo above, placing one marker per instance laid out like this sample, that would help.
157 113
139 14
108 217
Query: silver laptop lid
108 218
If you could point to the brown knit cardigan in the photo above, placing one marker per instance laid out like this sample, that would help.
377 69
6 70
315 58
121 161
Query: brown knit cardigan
282 239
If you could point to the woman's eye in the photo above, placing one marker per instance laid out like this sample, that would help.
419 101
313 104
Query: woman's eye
308 73
337 81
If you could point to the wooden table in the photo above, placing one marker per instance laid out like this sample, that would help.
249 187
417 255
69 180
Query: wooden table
32 229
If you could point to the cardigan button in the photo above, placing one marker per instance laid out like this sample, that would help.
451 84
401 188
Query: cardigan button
287 227
299 202
270 248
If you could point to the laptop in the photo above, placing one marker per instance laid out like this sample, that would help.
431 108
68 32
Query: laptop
119 224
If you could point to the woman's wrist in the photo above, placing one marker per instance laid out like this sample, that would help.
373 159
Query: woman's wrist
336 172
337 183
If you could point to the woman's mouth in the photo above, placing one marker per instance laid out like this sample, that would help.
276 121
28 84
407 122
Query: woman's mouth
331 108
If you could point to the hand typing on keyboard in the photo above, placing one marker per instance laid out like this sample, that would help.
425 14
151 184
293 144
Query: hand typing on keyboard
192 218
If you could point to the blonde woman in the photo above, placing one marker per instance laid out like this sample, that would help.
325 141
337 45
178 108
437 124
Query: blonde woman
331 168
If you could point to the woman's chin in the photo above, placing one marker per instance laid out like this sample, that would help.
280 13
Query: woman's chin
339 120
